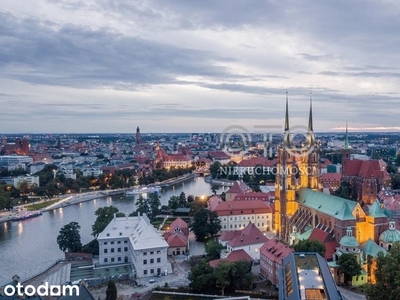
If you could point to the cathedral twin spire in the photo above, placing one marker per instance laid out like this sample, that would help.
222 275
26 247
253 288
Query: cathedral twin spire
310 132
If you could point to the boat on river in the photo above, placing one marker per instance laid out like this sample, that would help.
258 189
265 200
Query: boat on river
27 215
143 190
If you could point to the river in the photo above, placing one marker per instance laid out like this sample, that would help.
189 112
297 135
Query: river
29 247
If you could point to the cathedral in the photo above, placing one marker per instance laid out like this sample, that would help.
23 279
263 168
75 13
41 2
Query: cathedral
300 205
297 168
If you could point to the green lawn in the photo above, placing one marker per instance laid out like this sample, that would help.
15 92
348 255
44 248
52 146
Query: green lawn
41 205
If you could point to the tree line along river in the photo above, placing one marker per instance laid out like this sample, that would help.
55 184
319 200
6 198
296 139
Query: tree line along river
28 247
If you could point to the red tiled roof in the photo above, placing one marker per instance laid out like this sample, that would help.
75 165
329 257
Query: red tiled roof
213 202
330 249
274 251
204 160
393 205
253 196
234 256
326 239
229 235
363 168
239 255
242 207
219 155
319 235
331 177
249 235
239 187
252 162
177 157
176 239
181 224
325 162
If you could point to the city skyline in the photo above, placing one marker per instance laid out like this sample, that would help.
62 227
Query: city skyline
178 66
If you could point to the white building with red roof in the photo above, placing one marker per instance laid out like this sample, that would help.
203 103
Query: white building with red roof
182 159
220 156
177 237
249 239
235 215
272 254
266 197
238 187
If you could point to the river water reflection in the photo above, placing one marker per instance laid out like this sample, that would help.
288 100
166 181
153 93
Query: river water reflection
28 247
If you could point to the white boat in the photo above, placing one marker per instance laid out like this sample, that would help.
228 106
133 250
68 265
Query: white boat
27 215
143 190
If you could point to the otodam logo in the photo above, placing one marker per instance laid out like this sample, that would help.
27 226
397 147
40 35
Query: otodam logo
42 290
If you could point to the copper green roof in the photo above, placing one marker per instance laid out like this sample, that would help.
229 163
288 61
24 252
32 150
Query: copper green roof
330 205
306 234
349 241
376 211
371 248
345 213
390 236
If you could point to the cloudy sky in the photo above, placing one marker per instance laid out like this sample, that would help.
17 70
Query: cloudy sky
197 66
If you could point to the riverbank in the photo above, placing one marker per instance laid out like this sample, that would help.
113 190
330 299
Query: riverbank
223 182
6 216
73 199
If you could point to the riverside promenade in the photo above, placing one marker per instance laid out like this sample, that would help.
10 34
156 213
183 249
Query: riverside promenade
63 201
71 199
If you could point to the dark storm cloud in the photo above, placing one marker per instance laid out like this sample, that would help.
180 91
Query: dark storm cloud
74 56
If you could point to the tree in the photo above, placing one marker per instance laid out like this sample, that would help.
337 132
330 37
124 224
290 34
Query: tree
173 202
397 160
395 180
142 206
104 217
91 247
206 223
387 274
111 292
241 275
223 274
190 198
69 238
196 205
215 169
201 276
214 189
23 186
154 203
182 199
349 266
310 246
223 196
213 249
346 191
4 197
391 168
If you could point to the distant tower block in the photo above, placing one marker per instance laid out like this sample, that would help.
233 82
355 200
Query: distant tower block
138 136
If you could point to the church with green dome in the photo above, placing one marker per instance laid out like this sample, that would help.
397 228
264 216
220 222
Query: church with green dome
389 237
